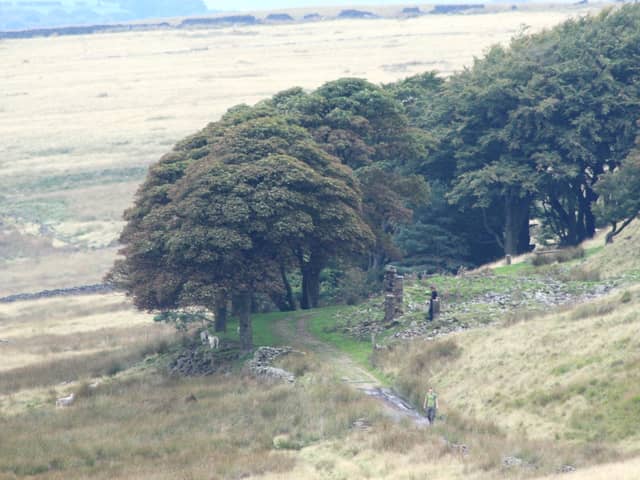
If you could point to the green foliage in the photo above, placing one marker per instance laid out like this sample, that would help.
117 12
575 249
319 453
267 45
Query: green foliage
260 196
530 128
367 129
181 319
619 192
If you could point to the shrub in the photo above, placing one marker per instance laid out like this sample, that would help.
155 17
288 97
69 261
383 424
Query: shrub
559 256
593 309
114 368
417 363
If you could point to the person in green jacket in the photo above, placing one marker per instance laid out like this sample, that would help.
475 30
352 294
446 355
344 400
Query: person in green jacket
431 405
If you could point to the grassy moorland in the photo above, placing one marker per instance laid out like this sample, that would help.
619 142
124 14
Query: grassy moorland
548 388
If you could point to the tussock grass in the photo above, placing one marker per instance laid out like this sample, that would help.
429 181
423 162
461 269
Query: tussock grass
76 367
621 257
145 425
597 308
560 256
414 365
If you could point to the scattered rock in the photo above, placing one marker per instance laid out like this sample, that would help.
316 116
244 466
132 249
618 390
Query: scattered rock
64 402
458 448
196 360
361 424
515 462
260 365
566 469
285 442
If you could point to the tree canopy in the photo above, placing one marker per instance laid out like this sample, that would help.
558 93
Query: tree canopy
262 196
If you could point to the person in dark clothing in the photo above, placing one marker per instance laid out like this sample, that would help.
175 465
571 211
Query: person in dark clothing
434 303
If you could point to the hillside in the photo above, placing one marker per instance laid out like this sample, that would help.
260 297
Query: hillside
533 390
247 328
620 258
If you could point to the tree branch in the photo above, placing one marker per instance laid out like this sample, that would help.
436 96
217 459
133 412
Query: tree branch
491 230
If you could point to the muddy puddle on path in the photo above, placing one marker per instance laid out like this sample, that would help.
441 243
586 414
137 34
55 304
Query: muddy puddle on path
398 407
349 371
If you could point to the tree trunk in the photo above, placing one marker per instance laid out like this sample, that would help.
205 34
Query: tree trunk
516 225
284 300
288 291
221 312
615 230
524 238
511 226
243 306
310 270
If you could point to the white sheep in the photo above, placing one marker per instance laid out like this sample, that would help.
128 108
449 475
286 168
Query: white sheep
212 340
65 401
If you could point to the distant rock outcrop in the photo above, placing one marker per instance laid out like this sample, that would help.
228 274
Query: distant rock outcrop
456 8
356 14
217 21
312 17
279 17
412 12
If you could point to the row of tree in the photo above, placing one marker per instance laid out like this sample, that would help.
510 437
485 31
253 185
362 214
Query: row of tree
267 190
528 130
442 172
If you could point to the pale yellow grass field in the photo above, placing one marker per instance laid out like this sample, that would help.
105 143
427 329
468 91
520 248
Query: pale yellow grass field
59 269
68 315
109 105
58 339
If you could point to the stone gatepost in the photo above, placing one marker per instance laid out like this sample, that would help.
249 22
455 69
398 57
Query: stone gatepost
398 294
394 294
389 307
389 279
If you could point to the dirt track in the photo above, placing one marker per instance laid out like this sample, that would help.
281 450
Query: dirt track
347 370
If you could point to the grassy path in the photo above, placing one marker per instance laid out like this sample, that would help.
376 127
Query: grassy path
295 331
